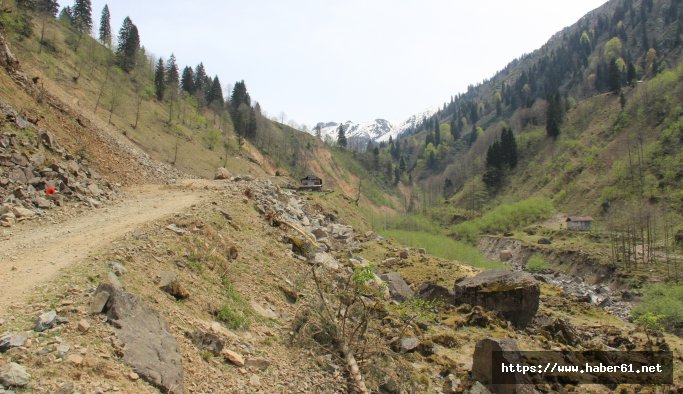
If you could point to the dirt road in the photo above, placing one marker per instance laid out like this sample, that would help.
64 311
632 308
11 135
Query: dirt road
33 256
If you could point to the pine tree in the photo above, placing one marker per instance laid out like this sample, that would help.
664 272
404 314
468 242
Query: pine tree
554 115
187 80
129 44
508 146
160 80
215 94
240 95
341 136
200 77
614 76
105 27
82 15
172 77
66 15
46 7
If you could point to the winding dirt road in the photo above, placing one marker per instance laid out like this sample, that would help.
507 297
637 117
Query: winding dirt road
33 256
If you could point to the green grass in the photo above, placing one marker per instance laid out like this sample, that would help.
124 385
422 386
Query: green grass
444 247
536 263
665 301
234 313
505 217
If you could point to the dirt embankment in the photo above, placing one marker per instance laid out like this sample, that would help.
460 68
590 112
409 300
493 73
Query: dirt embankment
574 263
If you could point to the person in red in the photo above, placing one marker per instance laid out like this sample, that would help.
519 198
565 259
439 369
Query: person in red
50 190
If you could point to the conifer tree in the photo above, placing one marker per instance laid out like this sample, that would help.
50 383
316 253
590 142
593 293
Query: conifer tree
82 15
66 15
200 78
172 78
128 46
215 94
45 7
105 27
554 115
341 136
159 79
187 80
240 95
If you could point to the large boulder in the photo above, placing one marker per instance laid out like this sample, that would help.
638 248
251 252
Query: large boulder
398 288
149 348
513 294
482 366
222 173
433 292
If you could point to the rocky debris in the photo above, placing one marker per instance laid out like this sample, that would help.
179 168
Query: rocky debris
36 174
83 326
505 255
169 283
398 288
222 173
99 301
481 366
11 340
478 388
149 348
233 357
258 363
433 292
46 321
543 241
265 312
207 341
326 260
403 254
513 294
173 227
407 345
14 375
561 331
66 388
117 268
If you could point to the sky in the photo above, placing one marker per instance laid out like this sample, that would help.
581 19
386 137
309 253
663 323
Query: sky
339 60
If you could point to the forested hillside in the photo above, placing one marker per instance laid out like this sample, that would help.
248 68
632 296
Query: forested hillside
596 106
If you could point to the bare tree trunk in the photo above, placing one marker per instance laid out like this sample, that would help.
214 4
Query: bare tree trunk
137 113
99 96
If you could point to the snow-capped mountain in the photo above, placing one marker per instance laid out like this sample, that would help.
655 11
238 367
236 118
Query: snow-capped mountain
378 130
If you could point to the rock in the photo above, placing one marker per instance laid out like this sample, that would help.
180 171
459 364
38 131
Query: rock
66 388
326 260
45 321
75 359
263 312
433 292
451 384
233 357
369 235
83 326
41 203
543 241
562 331
208 341
422 251
133 376
513 294
222 173
173 227
254 381
481 365
117 268
99 301
478 388
505 255
319 233
148 346
21 212
14 375
257 363
170 284
403 254
398 288
390 261
8 341
407 345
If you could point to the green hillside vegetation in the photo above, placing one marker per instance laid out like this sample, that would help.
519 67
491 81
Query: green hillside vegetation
193 128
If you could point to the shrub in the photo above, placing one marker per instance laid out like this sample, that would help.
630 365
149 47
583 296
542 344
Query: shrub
536 263
663 301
